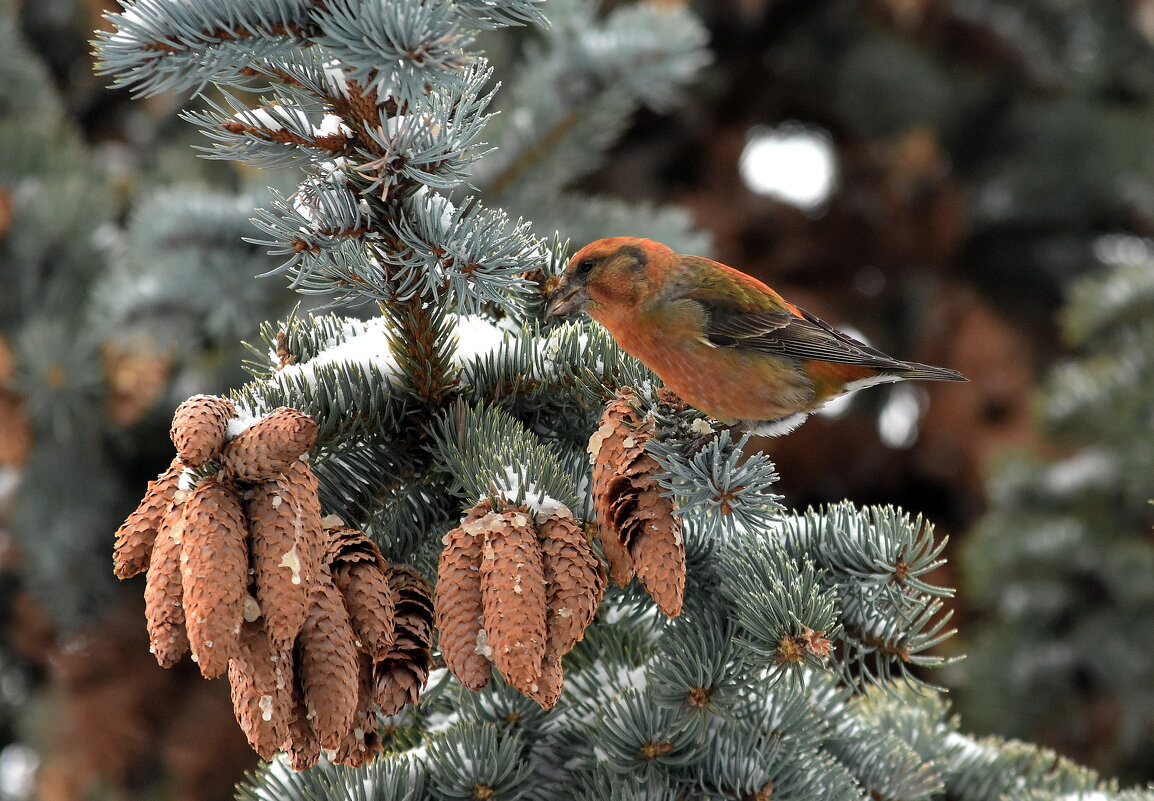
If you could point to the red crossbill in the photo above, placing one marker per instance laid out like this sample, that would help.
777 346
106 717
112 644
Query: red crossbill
722 340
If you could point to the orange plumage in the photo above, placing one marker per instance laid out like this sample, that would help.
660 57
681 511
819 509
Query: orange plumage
722 340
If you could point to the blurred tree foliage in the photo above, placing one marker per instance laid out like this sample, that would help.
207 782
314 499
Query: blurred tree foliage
105 323
1061 568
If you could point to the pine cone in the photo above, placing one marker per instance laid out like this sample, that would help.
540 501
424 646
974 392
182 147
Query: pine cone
304 750
400 676
303 490
614 448
199 427
358 570
136 372
261 680
15 422
16 430
286 555
575 581
513 598
214 574
459 611
635 522
264 450
328 665
363 740
136 535
548 686
658 549
163 596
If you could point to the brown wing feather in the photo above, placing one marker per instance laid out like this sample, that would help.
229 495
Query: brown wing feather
781 333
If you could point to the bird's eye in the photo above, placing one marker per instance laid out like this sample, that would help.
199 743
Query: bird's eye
586 266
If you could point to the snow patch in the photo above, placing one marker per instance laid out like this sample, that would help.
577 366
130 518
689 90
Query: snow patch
186 482
365 344
530 495
550 349
243 421
332 125
477 336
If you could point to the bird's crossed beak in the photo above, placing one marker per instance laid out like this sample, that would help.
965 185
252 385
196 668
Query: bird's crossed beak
566 299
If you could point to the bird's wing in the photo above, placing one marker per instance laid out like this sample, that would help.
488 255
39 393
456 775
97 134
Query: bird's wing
780 332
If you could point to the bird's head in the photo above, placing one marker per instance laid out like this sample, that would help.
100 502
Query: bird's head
609 274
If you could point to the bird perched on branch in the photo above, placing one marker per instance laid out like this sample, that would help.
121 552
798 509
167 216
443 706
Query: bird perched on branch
722 340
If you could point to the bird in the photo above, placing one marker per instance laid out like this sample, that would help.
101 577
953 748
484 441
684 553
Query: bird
723 341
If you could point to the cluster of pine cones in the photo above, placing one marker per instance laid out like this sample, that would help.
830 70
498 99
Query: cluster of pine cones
517 592
313 627
317 632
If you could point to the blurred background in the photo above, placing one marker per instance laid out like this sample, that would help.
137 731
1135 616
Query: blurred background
968 183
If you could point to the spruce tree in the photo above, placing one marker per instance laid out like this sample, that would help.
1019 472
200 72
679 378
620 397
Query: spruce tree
454 435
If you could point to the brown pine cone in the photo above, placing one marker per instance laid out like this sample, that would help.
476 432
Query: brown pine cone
513 598
286 565
398 680
634 520
658 549
548 686
328 665
16 433
163 595
458 605
575 581
199 427
304 750
363 740
261 680
616 445
400 676
264 450
303 490
136 535
214 573
358 570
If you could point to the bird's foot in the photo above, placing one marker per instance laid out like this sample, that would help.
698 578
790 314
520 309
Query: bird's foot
697 444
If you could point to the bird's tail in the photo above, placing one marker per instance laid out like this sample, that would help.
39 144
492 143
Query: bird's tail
917 371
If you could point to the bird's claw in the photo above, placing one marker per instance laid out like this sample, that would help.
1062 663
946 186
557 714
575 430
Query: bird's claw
697 444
